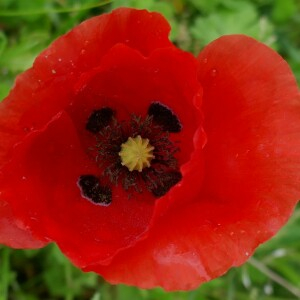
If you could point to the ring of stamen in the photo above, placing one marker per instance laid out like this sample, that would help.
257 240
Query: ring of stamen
155 170
136 153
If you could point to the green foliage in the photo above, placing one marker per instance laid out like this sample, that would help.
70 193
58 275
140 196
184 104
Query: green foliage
27 27
283 10
224 21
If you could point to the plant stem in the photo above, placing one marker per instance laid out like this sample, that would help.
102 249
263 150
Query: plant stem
108 291
274 276
68 276
113 292
5 273
231 286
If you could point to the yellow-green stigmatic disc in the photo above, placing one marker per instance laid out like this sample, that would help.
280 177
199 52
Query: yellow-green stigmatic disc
136 153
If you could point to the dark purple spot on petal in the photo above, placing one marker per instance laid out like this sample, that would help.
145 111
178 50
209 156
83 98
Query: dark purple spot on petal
99 119
92 190
164 117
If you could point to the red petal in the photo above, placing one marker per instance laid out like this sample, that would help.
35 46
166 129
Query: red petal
44 90
252 112
13 233
44 174
252 173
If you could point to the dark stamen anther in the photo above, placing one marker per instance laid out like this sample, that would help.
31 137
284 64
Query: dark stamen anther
163 116
165 183
99 119
92 190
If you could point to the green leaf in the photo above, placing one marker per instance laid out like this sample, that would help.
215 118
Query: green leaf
244 20
283 10
3 42
19 57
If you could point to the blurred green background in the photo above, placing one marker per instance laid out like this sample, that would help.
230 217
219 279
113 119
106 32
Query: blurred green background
27 27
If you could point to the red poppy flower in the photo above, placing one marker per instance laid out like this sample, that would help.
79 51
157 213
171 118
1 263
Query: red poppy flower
144 164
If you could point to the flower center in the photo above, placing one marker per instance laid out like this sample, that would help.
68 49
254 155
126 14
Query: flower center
136 153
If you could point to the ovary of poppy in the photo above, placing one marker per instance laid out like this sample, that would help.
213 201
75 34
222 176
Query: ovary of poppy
225 133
